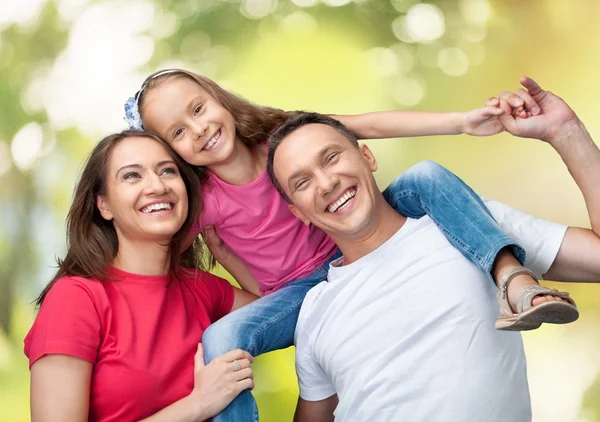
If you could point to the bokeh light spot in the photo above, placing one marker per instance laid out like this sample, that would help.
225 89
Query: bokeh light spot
26 145
258 9
400 32
405 56
475 10
453 61
299 23
305 3
382 61
5 162
425 22
336 3
408 91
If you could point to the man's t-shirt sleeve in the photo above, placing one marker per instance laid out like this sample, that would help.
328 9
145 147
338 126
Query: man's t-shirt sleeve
314 383
68 323
540 238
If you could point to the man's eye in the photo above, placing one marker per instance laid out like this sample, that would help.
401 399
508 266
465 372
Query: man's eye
331 157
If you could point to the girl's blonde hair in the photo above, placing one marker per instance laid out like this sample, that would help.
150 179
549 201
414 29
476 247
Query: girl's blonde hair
253 123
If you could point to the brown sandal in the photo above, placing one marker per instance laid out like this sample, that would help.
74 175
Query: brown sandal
529 317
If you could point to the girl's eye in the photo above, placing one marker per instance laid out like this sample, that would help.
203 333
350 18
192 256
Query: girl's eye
197 109
131 175
177 133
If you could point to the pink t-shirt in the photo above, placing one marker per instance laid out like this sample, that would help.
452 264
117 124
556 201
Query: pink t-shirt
255 222
139 332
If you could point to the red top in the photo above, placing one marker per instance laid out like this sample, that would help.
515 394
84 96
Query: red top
139 332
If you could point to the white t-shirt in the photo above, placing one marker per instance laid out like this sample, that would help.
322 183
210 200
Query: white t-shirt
406 333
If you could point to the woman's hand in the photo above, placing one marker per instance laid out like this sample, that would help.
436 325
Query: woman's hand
219 382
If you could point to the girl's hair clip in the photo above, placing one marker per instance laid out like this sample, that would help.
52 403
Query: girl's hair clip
132 114
132 111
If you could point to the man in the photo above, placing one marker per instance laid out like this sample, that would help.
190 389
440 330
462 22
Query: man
403 328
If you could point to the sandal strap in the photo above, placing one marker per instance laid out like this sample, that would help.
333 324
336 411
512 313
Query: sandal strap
524 302
503 284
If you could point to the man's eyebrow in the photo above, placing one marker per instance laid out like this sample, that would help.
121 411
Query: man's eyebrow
301 172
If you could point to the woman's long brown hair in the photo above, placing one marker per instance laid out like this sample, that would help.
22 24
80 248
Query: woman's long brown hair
92 242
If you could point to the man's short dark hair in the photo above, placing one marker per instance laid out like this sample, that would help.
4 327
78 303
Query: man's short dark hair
296 122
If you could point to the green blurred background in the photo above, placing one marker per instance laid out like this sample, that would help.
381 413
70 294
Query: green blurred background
67 66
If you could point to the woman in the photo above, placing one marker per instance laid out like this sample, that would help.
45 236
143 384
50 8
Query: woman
117 334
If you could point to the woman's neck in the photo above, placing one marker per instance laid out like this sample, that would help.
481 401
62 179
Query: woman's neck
245 164
143 257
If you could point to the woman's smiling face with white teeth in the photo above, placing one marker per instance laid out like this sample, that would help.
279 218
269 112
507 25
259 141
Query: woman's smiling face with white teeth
146 197
196 125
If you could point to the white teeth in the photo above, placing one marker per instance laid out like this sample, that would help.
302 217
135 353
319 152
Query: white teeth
345 197
163 206
213 140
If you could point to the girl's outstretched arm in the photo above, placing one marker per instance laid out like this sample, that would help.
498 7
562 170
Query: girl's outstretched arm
405 123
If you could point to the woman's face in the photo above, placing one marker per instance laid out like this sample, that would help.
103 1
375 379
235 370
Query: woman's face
146 197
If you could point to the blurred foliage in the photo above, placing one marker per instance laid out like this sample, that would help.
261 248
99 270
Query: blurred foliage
339 56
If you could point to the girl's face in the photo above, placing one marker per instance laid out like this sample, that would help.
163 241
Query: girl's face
196 125
145 196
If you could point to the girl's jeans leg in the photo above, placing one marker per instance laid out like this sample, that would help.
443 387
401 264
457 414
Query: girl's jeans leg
262 326
428 188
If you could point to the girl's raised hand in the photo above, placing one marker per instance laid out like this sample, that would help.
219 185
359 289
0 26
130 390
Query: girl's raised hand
219 382
483 121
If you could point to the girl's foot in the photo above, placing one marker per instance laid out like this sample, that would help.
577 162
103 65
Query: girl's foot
525 305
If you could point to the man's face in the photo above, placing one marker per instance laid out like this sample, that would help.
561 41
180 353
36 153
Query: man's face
328 180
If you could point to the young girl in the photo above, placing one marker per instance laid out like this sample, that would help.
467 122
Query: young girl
267 249
116 338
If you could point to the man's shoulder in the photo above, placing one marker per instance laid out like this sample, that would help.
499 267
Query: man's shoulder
310 305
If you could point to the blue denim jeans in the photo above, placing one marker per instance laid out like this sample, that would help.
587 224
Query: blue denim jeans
269 323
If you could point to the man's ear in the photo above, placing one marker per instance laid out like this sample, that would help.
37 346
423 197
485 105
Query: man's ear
369 157
294 209
103 208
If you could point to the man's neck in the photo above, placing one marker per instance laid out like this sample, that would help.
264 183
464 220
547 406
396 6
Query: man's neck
383 226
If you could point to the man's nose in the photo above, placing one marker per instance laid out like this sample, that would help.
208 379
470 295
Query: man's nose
327 182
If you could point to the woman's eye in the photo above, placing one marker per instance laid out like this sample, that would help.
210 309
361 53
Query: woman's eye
169 170
131 175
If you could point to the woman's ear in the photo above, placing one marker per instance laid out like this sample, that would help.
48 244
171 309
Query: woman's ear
103 208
